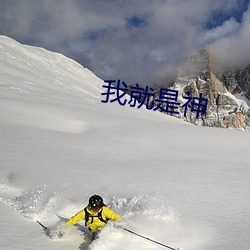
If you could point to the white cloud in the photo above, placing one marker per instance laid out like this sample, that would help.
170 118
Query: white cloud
228 28
98 34
233 50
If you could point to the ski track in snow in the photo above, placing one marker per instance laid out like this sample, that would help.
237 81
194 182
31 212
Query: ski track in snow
42 116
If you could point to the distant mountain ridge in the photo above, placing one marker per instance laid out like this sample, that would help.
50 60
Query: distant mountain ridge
237 81
196 75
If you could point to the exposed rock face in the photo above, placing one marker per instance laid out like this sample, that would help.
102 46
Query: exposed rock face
237 81
195 76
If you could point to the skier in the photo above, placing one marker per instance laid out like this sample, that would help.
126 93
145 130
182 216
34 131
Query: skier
95 214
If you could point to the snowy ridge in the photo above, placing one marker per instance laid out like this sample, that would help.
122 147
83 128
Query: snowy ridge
50 68
183 185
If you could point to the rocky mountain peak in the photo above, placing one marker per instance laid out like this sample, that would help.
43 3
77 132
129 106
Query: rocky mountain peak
237 81
195 76
197 64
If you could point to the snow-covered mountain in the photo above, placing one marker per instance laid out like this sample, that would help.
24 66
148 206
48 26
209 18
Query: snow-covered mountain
237 82
197 75
182 185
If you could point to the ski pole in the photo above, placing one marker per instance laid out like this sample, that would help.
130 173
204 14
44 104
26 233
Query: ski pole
146 238
45 228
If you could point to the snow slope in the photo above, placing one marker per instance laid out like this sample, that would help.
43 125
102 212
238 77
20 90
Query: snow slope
182 185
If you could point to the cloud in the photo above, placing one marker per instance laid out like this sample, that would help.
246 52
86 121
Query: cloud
228 28
232 50
136 41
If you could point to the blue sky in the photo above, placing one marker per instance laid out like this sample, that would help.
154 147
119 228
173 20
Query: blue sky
218 17
138 41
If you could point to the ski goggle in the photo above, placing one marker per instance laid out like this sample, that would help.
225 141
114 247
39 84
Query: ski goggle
94 208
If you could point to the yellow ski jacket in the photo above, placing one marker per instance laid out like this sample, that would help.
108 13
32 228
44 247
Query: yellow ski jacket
94 223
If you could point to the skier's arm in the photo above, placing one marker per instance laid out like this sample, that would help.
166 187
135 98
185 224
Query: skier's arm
110 214
77 217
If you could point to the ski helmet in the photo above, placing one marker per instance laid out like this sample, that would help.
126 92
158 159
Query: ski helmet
95 202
